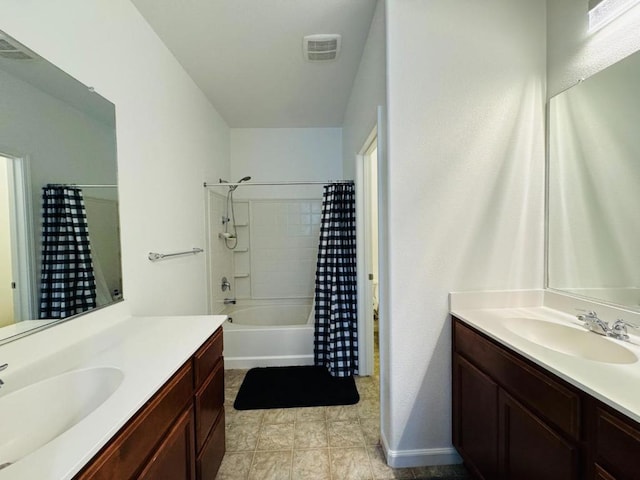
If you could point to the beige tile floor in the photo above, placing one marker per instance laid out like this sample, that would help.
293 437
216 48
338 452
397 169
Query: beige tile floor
316 443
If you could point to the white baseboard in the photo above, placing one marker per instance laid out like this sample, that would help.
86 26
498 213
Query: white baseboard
420 457
244 363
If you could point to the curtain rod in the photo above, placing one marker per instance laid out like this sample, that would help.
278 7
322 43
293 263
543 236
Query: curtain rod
79 186
310 182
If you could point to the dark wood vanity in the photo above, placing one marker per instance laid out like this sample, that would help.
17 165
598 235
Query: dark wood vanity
179 433
514 420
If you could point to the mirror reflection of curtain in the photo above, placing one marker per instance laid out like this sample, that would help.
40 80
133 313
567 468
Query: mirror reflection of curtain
67 282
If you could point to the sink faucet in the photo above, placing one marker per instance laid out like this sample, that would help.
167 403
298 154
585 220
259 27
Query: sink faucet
593 323
3 367
618 330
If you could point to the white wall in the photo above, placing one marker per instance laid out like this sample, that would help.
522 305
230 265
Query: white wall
368 91
170 138
573 53
285 154
465 98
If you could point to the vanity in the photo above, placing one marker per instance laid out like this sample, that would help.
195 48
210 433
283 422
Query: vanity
537 396
114 396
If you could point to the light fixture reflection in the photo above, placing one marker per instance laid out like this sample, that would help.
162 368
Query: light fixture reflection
601 12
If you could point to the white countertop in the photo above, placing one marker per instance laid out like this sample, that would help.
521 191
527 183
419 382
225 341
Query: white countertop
617 385
148 350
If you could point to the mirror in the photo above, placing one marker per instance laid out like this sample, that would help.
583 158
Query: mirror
54 131
593 182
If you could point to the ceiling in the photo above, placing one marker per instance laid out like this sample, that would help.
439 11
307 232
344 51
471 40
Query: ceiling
246 55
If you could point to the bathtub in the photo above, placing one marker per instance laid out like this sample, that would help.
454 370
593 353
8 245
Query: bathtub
268 335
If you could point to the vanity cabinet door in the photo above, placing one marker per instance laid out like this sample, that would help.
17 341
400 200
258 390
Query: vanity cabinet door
174 458
475 427
529 449
602 474
617 445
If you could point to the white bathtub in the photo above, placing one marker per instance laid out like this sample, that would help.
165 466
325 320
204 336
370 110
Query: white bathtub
268 335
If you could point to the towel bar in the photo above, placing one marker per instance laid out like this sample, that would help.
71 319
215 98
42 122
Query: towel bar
158 256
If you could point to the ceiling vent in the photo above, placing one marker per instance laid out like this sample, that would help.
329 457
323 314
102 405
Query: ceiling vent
14 50
321 48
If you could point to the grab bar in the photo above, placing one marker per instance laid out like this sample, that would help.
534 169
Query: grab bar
158 256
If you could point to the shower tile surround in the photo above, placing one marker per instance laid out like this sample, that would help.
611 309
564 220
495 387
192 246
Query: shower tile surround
316 443
283 245
276 253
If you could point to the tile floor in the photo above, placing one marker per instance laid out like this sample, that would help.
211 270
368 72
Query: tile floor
317 443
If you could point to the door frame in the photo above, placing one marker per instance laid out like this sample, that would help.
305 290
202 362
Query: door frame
363 246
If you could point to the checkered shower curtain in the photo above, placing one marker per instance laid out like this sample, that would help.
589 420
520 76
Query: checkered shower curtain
336 333
67 282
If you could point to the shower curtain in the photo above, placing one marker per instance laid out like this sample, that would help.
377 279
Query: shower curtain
67 281
336 335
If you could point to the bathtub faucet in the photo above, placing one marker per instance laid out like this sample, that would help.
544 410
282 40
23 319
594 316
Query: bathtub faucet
229 301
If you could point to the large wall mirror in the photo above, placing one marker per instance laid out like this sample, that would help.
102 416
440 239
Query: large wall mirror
593 187
59 235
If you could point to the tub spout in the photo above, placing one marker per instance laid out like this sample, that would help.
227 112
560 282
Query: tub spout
229 301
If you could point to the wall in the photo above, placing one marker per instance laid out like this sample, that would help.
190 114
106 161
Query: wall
170 138
464 191
368 91
574 53
285 154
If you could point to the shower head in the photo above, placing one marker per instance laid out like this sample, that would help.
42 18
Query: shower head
243 179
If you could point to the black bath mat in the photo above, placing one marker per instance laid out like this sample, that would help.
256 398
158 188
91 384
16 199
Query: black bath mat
286 387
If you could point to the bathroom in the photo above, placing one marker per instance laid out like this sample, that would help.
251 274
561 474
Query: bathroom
462 175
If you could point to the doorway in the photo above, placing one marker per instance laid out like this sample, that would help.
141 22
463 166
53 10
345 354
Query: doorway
16 242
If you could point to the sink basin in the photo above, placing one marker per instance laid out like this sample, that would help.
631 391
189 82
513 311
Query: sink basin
572 341
36 414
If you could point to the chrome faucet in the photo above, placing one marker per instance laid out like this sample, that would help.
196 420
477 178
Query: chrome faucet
225 284
3 367
229 301
593 323
618 330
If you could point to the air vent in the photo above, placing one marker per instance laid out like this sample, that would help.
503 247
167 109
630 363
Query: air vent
14 50
321 48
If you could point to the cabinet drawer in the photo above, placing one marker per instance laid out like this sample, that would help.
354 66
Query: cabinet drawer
547 397
617 445
210 458
206 357
137 440
209 400
174 458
